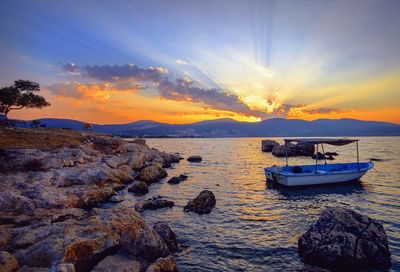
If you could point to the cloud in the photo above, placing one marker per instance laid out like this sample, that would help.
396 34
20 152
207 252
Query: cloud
117 72
181 62
96 91
183 90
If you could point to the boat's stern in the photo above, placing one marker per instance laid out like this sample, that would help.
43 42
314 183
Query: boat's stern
271 172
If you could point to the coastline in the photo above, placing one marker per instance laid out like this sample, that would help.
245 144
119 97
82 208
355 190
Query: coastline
53 183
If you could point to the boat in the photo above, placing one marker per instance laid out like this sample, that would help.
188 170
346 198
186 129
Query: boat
316 174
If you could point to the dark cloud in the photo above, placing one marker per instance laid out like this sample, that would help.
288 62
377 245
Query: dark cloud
322 110
113 73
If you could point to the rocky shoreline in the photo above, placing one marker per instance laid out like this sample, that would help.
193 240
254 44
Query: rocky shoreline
55 181
50 218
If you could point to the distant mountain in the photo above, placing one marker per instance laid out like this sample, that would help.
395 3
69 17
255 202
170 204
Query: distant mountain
232 128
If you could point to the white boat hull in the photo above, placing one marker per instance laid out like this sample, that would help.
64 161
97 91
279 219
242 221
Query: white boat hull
327 174
318 179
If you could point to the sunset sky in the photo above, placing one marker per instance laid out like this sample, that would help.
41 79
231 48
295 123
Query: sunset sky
187 61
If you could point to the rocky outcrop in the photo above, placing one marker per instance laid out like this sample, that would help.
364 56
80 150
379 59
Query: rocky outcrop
344 238
298 149
139 188
268 145
152 174
202 204
166 264
49 218
8 263
167 235
153 203
176 180
194 158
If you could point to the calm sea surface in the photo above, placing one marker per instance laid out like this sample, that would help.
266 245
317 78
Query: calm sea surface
255 227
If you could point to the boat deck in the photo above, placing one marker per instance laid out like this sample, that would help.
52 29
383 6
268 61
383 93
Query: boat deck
325 169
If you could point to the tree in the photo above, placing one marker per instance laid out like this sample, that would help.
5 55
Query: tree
21 95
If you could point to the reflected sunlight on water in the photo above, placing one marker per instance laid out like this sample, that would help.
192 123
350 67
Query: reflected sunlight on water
255 226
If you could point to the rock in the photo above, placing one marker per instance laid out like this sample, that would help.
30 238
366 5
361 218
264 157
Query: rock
377 159
118 263
194 158
139 141
153 203
166 264
116 199
342 238
82 242
268 145
8 263
139 188
167 235
152 174
298 149
202 204
63 267
176 180
144 242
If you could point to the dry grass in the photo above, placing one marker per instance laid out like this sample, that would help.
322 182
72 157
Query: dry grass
39 138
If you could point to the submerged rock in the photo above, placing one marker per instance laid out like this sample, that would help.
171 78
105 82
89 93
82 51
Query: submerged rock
139 188
167 235
202 204
8 263
166 264
268 145
319 155
342 238
152 174
194 158
176 180
331 154
153 203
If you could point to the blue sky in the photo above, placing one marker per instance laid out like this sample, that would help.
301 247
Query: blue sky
267 53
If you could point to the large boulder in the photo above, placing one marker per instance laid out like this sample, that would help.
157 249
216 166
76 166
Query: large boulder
152 173
139 188
202 204
268 145
153 203
8 263
298 149
118 262
166 264
167 235
343 238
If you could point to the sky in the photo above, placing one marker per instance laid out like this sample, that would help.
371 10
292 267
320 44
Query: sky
188 61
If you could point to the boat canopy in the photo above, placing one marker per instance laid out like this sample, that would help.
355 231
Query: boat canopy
314 141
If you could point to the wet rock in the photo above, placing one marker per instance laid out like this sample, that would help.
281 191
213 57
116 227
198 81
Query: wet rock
8 263
202 204
342 238
167 235
166 264
152 174
118 262
139 188
194 158
376 159
176 180
153 203
268 145
144 242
